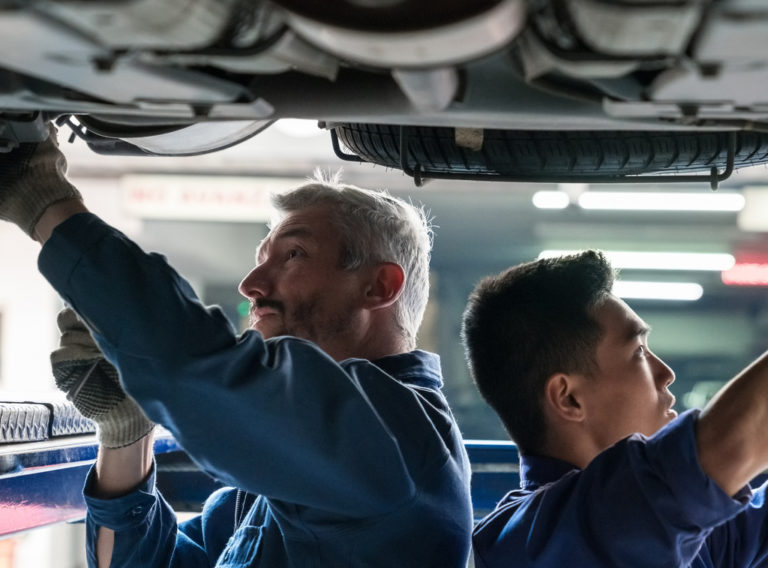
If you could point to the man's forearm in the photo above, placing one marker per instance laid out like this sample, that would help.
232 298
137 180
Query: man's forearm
119 471
731 432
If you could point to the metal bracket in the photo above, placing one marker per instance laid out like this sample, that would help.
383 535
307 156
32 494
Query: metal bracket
341 154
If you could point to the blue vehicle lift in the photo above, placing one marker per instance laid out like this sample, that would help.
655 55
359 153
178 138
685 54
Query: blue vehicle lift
46 450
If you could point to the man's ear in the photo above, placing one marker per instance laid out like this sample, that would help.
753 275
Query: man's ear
561 397
385 286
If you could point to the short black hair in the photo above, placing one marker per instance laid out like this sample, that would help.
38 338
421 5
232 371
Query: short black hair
527 323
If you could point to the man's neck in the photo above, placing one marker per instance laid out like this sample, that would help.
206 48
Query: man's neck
575 450
379 337
370 351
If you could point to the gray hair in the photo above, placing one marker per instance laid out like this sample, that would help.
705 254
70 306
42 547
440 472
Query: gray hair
374 227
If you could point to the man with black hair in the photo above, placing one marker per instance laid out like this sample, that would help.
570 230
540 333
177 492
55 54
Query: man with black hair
610 475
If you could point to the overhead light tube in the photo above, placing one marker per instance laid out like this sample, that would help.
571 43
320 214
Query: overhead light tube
681 291
551 200
661 201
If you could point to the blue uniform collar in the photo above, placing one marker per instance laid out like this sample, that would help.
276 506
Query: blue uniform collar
418 368
536 471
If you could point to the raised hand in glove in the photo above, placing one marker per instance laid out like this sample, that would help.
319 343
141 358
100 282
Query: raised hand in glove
31 179
93 386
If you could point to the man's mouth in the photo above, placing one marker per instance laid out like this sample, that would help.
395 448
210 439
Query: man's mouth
263 308
671 405
259 313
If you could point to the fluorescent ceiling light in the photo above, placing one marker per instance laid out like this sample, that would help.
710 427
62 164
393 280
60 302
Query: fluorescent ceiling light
685 291
655 201
660 260
551 200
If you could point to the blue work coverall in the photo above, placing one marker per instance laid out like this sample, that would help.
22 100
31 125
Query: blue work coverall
643 503
356 464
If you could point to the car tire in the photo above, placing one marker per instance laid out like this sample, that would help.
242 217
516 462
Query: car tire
548 155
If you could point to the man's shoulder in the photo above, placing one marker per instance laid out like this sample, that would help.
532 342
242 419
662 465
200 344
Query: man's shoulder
507 525
413 368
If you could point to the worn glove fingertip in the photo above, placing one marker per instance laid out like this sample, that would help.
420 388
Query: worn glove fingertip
74 353
67 320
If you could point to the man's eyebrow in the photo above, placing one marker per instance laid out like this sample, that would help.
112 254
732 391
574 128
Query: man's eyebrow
291 232
637 329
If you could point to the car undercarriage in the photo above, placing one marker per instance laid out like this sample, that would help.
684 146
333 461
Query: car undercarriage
493 89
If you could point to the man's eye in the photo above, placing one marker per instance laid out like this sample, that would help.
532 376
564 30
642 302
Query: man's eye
293 253
642 351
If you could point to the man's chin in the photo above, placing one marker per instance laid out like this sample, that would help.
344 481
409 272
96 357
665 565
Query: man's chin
670 416
267 331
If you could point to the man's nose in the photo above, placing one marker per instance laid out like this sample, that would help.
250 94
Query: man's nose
255 284
664 372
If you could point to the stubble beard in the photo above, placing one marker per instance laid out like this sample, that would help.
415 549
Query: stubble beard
306 321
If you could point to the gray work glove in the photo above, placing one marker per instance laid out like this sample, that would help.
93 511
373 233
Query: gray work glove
31 179
93 386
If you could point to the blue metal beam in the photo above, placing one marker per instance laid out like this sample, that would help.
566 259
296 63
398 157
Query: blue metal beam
43 468
41 482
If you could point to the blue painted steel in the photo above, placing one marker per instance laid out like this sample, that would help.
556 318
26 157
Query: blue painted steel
41 482
495 472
